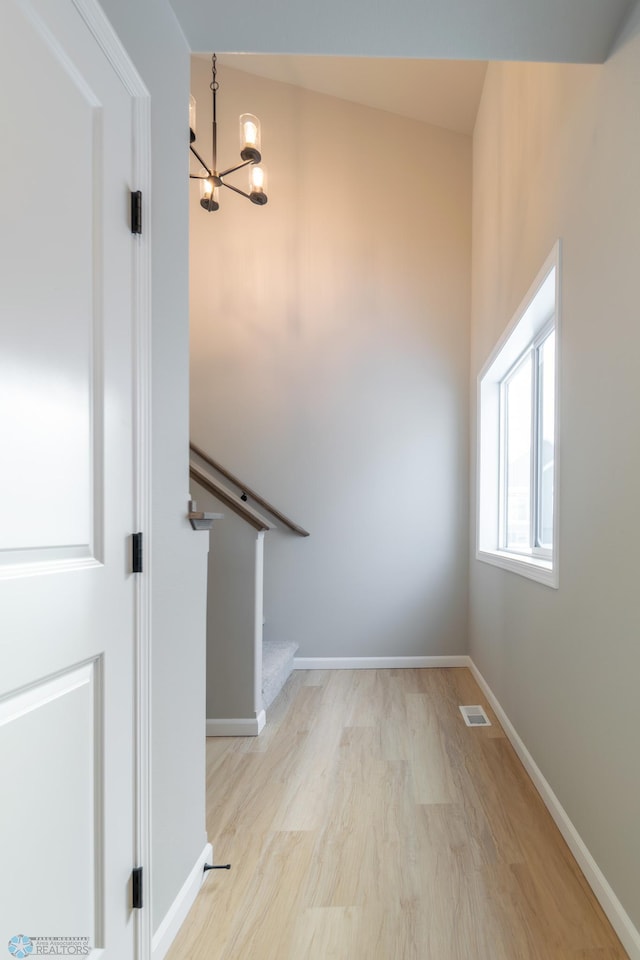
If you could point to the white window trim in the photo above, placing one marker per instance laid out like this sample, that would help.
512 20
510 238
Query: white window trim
533 317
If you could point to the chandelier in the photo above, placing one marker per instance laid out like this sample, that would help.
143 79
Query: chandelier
249 153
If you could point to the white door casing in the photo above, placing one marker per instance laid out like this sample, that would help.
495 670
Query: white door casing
74 473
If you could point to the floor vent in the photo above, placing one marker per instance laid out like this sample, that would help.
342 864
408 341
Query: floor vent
475 717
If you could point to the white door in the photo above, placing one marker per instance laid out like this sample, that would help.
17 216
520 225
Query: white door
67 594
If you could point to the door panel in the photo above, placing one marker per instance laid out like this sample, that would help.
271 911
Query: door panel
50 741
67 614
47 365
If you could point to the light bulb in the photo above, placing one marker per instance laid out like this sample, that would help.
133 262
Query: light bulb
250 138
257 185
257 178
250 133
209 195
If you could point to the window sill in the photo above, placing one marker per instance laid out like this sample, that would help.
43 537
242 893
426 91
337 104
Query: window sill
534 568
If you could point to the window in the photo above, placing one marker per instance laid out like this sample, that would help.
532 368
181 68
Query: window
527 412
517 430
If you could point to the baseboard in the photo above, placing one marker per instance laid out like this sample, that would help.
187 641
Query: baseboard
239 727
177 913
377 663
618 917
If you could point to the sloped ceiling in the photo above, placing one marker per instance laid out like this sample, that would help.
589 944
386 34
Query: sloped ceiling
580 31
445 93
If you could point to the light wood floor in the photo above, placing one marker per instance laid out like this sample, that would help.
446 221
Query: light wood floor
367 822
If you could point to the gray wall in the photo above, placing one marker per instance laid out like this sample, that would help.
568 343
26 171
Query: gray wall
330 363
154 41
231 616
556 154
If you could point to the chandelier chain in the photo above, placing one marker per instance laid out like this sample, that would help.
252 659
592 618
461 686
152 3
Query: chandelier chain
214 85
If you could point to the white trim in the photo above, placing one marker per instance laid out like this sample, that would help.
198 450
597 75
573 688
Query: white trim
112 47
177 912
142 460
258 621
532 567
541 301
377 663
116 54
618 917
536 317
238 727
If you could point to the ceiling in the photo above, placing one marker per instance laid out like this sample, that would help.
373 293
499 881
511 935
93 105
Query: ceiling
442 92
580 31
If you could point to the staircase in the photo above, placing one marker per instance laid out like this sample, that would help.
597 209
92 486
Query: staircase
277 664
244 673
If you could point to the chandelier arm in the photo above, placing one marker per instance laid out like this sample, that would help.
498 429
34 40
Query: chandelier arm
240 166
200 161
235 190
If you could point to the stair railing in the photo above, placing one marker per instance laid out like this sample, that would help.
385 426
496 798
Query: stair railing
238 503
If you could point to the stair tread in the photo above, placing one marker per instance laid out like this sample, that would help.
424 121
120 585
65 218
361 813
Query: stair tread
279 647
277 664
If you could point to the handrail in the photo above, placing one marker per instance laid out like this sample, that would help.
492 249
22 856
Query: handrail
229 498
300 531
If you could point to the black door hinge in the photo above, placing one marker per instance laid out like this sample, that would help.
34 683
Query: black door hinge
136 211
136 888
136 553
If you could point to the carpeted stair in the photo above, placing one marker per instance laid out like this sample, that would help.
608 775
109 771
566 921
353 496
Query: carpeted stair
277 664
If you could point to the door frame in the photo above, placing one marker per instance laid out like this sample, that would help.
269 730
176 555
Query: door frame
111 45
